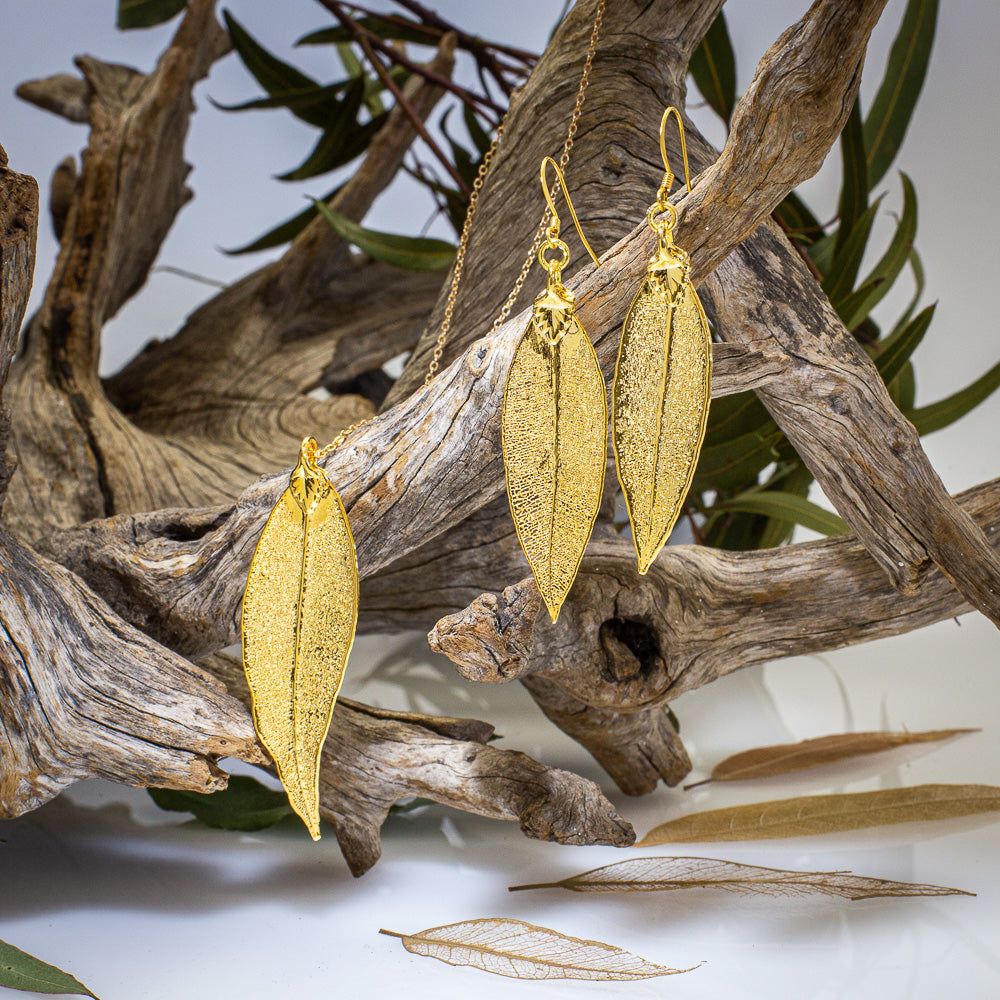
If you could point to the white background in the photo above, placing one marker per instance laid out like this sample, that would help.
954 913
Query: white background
142 905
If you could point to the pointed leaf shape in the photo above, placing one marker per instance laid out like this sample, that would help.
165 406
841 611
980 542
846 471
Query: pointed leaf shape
842 273
300 610
520 950
146 13
554 430
763 762
900 345
946 411
854 187
21 971
713 66
409 253
664 874
273 74
897 95
662 387
785 507
855 307
284 231
391 27
810 815
244 804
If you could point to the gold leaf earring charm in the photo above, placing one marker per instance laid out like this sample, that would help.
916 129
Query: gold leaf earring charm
554 425
662 383
300 611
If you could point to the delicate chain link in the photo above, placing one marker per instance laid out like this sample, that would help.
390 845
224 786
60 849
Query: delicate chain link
463 243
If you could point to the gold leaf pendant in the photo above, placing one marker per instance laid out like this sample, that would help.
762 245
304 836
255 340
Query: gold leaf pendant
660 398
554 434
300 611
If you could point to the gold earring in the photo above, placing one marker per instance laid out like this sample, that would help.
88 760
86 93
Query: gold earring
554 425
662 383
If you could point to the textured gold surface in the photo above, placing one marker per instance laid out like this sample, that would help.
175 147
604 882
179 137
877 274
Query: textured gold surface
554 430
300 610
660 400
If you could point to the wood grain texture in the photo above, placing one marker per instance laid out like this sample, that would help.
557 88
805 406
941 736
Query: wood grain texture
373 757
698 615
423 483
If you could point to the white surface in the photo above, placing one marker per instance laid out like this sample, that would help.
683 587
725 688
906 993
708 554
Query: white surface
143 906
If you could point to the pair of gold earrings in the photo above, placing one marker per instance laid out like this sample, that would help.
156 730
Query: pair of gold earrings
555 416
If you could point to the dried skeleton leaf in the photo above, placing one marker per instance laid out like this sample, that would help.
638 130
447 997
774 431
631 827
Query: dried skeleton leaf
661 874
554 435
816 814
520 950
763 762
300 609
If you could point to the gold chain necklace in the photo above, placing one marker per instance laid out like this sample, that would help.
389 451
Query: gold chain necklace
300 605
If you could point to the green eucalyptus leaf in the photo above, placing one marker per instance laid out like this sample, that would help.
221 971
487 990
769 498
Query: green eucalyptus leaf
903 388
855 307
273 74
897 95
285 231
713 66
396 28
917 269
21 971
798 219
854 186
928 419
342 140
409 253
480 137
897 349
736 463
821 252
839 279
796 480
731 416
245 804
325 100
785 507
733 531
146 13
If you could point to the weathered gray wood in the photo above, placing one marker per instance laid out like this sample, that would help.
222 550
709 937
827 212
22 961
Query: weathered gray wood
18 232
625 645
614 169
375 757
437 453
423 482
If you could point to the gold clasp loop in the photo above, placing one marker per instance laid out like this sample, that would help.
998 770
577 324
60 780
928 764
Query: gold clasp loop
552 264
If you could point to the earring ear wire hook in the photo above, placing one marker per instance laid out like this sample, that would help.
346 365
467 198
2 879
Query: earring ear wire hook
543 175
663 148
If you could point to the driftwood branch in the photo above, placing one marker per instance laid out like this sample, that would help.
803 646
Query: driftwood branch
153 512
374 757
438 451
83 694
625 646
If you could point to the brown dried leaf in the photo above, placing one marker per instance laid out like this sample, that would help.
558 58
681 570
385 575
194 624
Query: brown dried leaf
763 762
809 815
658 874
520 950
